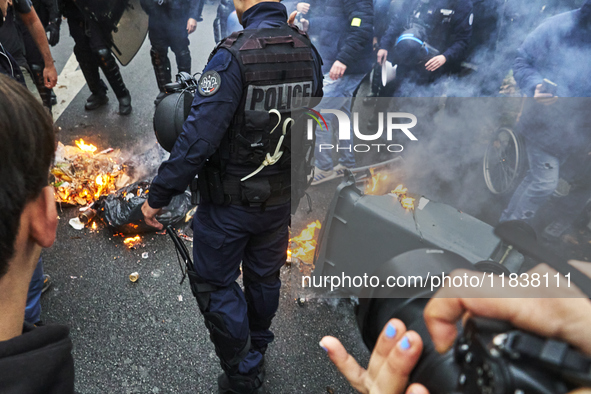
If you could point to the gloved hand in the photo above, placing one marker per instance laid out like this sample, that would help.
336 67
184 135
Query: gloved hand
53 31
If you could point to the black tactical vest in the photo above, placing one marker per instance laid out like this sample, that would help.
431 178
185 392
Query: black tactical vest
435 19
277 67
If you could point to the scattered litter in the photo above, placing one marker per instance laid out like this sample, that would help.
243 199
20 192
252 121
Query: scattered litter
180 297
134 277
301 301
145 255
156 274
76 224
73 277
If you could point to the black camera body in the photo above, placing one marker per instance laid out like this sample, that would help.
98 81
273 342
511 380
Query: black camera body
496 358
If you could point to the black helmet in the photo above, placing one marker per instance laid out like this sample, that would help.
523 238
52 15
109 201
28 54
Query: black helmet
169 117
411 48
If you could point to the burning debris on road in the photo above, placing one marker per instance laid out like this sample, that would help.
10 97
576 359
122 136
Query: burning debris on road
133 242
103 184
82 176
303 246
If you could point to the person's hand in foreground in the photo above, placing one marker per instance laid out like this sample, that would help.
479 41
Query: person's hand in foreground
150 216
564 313
390 366
394 357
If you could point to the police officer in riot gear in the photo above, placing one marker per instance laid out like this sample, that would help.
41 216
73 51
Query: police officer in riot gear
171 22
237 138
92 51
220 23
428 38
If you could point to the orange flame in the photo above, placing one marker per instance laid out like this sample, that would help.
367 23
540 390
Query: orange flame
407 203
132 242
400 190
376 180
85 147
305 243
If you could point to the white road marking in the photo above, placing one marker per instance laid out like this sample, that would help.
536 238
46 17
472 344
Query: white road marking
70 82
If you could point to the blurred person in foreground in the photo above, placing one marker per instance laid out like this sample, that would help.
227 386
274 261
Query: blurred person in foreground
32 359
12 35
397 350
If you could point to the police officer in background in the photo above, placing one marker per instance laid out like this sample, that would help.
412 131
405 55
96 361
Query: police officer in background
171 22
237 138
92 51
49 15
445 25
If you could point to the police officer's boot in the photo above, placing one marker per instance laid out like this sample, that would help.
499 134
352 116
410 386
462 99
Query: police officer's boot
45 93
90 70
161 65
183 61
242 384
111 71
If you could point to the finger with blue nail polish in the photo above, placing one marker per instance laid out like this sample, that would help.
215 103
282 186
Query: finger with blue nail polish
398 365
390 330
404 343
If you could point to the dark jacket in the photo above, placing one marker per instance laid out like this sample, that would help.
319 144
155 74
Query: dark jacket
210 117
450 36
558 50
175 8
38 361
9 66
343 30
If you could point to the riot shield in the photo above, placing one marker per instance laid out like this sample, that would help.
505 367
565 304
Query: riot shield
130 33
124 24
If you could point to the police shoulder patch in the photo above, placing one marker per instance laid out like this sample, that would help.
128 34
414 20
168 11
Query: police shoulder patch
209 83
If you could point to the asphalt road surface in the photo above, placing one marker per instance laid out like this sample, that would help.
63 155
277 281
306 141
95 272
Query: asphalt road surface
148 336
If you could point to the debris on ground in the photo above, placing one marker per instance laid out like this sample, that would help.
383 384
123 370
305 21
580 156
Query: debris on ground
76 224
